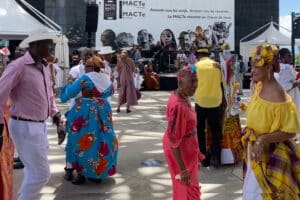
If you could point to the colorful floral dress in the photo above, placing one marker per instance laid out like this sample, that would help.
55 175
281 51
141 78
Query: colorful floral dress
181 132
92 146
6 161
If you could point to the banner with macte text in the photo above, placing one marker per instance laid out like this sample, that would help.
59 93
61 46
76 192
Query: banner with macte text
176 23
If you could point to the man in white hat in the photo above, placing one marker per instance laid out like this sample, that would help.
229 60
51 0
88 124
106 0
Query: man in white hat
106 53
26 82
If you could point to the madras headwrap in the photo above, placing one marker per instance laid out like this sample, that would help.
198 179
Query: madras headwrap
187 70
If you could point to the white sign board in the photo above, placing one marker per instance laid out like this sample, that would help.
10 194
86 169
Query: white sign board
123 23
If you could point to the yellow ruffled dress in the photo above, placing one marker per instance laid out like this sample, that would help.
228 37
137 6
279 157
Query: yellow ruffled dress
278 176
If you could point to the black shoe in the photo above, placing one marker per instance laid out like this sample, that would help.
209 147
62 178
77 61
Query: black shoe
79 180
205 162
214 161
128 111
69 174
17 159
18 165
118 110
95 180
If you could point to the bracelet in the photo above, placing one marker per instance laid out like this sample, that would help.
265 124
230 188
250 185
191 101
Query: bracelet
60 123
258 142
184 171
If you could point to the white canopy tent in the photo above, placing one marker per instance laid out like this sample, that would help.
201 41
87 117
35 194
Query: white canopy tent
271 36
16 24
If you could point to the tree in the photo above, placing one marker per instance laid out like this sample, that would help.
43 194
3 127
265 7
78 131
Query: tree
297 60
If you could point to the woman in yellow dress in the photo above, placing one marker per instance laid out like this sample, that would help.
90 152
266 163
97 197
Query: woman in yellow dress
272 156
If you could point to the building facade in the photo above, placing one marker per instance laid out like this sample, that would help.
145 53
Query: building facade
251 15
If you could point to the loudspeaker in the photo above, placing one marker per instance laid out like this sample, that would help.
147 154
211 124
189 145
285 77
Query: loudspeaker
91 20
296 27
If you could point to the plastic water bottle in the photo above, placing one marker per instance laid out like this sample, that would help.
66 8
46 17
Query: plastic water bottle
235 106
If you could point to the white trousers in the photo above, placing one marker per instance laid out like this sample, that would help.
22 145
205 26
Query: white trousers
251 189
31 143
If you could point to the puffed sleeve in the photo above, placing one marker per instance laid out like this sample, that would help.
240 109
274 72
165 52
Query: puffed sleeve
177 125
72 89
287 119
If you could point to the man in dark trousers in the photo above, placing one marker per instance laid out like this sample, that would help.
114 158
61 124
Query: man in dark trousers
208 99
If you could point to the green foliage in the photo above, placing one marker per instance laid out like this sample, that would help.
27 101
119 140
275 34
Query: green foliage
297 60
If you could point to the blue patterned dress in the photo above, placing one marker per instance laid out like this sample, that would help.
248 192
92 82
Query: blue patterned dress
92 146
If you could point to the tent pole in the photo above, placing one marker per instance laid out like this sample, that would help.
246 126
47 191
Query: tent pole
41 16
293 38
241 40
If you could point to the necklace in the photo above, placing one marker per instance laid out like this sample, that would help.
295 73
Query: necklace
183 97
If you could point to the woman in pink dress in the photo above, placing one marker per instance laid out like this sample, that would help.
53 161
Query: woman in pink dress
180 142
126 69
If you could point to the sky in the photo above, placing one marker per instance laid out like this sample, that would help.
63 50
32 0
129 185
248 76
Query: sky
286 7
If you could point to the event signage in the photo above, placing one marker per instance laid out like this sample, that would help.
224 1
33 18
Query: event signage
123 23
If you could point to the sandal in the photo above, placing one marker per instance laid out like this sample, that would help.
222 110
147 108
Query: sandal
80 179
69 174
95 180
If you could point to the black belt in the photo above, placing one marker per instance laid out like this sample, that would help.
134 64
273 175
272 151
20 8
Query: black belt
28 120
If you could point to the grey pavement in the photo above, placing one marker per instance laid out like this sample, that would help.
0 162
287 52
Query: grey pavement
140 134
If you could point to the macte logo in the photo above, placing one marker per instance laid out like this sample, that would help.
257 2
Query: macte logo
133 14
133 3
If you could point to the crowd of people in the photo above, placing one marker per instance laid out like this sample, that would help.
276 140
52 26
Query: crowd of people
193 136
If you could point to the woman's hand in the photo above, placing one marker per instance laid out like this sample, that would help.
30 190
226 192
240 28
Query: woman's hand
244 138
185 177
257 150
244 130
71 79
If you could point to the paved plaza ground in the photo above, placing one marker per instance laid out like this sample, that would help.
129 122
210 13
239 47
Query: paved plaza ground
140 134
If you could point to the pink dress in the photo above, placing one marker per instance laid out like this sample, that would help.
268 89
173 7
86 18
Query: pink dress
127 92
181 132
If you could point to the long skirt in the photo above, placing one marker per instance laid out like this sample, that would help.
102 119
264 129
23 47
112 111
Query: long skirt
6 165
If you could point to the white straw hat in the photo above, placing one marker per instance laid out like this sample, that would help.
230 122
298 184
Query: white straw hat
38 35
105 50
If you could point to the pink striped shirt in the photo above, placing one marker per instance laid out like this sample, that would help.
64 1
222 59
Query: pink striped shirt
29 89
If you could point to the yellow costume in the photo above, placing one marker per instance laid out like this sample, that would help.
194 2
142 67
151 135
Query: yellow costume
208 93
278 175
